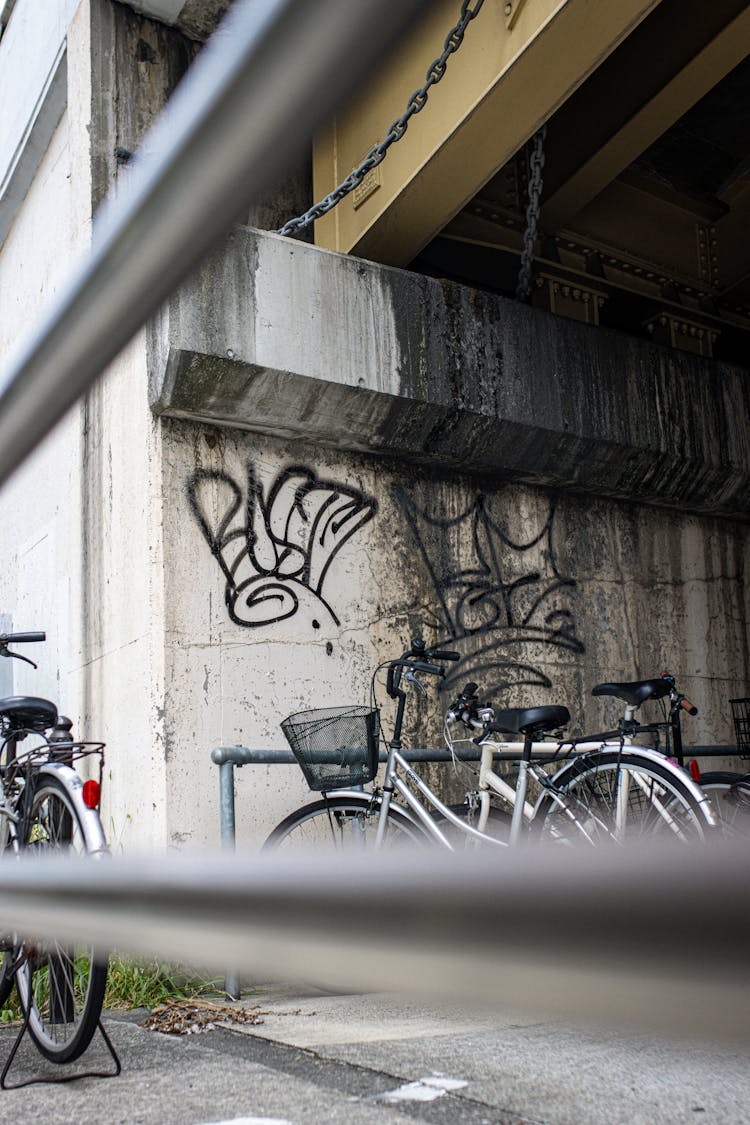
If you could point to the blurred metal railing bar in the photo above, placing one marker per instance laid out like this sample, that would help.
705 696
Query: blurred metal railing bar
274 71
229 757
655 935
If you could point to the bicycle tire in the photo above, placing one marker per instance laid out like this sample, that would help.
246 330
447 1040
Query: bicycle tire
657 801
342 824
61 987
6 940
729 793
6 977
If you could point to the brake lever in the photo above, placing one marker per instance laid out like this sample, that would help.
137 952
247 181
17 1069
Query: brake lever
5 651
412 679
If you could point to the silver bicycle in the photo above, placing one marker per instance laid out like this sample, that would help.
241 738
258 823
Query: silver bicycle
47 807
600 790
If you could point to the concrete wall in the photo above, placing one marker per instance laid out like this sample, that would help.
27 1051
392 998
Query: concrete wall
39 508
82 517
544 594
343 457
559 504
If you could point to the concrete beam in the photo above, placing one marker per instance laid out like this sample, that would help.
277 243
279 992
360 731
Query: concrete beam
291 340
33 84
195 18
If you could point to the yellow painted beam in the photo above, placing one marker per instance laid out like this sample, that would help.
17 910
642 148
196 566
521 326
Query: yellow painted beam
507 78
675 98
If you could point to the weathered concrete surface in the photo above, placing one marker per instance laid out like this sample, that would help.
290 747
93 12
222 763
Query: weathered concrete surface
542 595
291 340
194 18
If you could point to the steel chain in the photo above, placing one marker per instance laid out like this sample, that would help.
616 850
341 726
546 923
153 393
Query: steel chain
377 153
532 214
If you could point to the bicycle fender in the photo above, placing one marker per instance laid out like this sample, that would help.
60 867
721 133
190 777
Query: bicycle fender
649 755
74 787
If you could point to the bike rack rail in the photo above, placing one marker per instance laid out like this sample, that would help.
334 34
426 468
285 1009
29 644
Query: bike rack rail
227 758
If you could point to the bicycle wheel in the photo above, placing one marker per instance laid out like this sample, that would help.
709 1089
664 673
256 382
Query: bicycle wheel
6 976
621 796
6 951
342 824
729 793
60 986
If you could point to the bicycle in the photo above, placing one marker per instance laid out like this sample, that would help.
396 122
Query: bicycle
45 806
338 747
609 788
729 790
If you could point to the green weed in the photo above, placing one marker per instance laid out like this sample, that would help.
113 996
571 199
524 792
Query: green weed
134 983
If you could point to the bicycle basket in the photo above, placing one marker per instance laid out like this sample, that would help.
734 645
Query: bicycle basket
741 716
335 746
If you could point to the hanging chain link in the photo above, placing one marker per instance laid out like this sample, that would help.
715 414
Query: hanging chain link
377 153
532 215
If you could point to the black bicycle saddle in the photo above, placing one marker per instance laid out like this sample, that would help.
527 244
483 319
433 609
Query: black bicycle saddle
27 712
635 693
530 720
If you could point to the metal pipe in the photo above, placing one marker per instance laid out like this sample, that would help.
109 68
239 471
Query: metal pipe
273 72
655 936
226 805
228 842
243 756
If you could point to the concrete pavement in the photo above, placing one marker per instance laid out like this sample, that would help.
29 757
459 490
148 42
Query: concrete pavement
380 1060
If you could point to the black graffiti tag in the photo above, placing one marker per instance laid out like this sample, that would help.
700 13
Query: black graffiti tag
273 545
498 600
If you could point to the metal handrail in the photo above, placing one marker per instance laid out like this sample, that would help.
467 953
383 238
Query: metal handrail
269 77
655 935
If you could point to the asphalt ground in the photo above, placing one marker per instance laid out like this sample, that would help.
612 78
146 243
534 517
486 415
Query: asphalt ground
382 1059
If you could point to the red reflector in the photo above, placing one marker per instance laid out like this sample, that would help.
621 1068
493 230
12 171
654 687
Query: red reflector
91 793
695 770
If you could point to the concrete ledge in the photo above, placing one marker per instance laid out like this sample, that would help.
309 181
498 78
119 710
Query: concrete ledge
287 339
22 165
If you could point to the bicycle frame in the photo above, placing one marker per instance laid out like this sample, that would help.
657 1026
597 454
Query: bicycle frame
394 783
402 780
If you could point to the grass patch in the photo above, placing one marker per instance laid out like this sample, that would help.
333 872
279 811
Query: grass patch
136 983
11 1010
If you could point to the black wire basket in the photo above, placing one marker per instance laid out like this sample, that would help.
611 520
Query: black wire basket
335 746
741 716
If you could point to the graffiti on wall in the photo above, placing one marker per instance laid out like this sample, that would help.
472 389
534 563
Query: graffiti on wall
499 601
275 546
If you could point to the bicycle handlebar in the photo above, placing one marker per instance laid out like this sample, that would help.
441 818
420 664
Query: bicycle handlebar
21 638
417 658
678 699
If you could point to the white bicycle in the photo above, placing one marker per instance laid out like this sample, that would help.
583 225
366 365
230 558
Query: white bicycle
603 789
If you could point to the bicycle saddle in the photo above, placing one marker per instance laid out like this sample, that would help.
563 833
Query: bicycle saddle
26 712
530 720
635 693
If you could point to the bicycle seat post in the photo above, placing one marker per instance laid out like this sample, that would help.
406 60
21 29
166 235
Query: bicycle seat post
522 782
